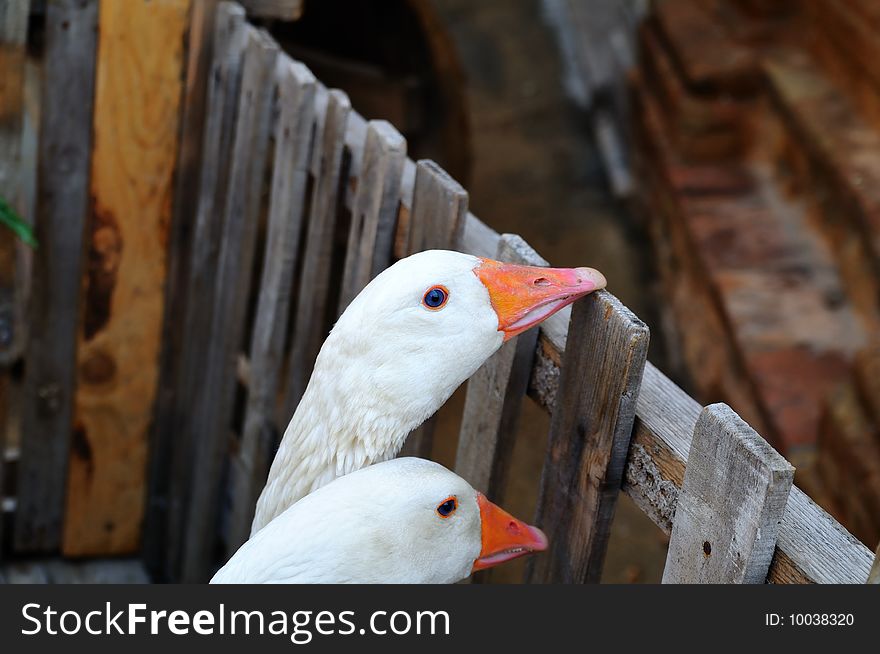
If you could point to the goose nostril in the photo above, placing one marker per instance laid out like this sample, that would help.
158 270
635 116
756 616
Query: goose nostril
541 281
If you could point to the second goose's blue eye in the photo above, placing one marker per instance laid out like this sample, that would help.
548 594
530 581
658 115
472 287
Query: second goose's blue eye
436 297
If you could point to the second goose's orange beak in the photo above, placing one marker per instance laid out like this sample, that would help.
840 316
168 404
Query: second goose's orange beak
523 296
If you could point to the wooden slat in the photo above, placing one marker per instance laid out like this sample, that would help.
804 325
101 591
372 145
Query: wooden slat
811 546
13 36
229 35
494 396
62 210
374 209
280 9
293 133
213 408
200 44
735 490
589 438
314 284
436 221
136 127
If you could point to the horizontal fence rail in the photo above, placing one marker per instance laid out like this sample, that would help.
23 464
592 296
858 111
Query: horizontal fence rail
299 202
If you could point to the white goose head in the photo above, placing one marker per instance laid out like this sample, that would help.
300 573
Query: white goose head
402 521
424 325
403 345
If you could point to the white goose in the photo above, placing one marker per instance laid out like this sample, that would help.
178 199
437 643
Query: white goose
402 521
404 344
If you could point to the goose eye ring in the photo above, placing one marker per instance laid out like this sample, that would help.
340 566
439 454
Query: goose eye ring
447 507
435 298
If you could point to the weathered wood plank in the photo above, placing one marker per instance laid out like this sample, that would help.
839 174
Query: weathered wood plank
589 438
229 36
136 127
13 36
436 221
374 209
280 9
494 396
213 409
200 45
293 134
731 504
314 284
62 211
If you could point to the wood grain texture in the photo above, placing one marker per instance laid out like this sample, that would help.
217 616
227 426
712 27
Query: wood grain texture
309 329
200 46
61 220
374 209
731 504
494 396
229 36
436 221
136 123
293 134
589 438
214 404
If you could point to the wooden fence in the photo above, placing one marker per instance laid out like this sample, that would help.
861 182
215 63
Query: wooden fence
286 202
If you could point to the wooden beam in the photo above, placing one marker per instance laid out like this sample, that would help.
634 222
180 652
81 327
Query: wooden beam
214 404
136 126
309 329
589 438
61 219
439 207
494 397
374 209
293 135
229 36
731 504
200 46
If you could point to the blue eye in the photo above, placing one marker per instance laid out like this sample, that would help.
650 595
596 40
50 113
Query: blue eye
447 507
436 297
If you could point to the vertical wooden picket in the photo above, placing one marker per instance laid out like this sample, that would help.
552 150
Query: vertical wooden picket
213 407
61 221
314 283
731 504
229 35
589 438
196 109
293 133
374 209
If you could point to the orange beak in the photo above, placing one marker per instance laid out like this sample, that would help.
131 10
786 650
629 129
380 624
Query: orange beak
504 537
523 296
